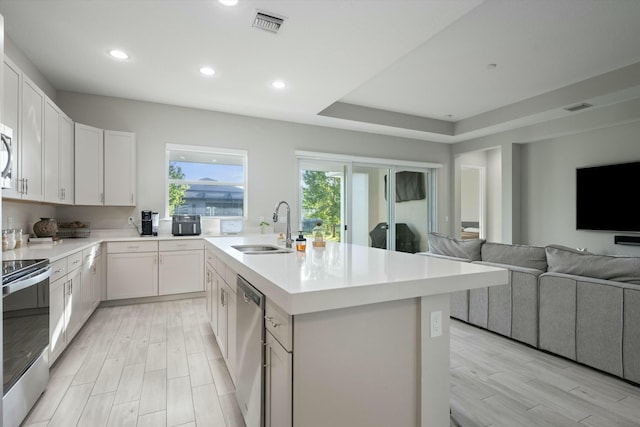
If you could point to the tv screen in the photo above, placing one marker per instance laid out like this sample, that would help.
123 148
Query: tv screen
606 197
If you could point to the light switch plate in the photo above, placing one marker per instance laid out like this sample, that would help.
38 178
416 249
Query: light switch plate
436 324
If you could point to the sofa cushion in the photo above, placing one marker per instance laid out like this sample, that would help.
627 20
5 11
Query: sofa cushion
444 245
570 261
519 255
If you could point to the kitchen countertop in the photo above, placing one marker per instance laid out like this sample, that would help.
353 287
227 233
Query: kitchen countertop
344 275
66 247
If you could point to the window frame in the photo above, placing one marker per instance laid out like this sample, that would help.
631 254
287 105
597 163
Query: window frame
208 150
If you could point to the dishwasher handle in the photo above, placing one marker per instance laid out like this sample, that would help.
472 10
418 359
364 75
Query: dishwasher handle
249 293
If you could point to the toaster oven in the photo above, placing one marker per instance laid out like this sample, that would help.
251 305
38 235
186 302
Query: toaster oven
185 225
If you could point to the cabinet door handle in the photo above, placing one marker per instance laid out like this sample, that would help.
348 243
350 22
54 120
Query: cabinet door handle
132 198
76 261
161 258
222 292
101 197
155 259
26 186
60 270
270 320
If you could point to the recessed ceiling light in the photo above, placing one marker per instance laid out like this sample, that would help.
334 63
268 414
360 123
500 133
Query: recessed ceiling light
229 2
279 84
491 66
207 71
118 54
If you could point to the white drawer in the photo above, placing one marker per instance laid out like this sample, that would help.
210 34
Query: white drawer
181 245
279 323
123 247
58 269
74 261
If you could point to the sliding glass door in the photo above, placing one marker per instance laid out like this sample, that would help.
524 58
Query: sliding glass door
322 198
379 205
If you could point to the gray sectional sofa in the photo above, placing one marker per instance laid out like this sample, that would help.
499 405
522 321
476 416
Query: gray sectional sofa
581 306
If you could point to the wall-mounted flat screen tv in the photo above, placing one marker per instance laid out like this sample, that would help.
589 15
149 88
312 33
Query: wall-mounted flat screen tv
606 197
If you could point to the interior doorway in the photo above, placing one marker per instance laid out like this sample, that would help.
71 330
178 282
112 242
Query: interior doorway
472 202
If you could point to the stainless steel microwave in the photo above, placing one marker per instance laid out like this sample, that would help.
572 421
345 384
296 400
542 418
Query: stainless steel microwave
6 156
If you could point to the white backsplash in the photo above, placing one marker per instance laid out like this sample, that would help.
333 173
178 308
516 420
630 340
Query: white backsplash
24 215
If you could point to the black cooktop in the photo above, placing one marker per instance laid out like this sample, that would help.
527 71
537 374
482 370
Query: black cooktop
14 269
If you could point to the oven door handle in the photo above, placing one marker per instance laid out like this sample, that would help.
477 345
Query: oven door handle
25 283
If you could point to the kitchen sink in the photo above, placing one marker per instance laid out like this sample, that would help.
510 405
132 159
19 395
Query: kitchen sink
261 249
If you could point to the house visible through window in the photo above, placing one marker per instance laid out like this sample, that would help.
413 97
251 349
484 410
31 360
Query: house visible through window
206 181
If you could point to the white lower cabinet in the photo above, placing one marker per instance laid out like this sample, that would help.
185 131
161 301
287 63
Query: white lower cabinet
221 308
132 275
180 267
68 307
278 384
145 269
91 279
227 305
212 296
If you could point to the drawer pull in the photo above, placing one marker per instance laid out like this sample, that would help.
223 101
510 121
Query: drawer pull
60 270
270 320
133 247
76 261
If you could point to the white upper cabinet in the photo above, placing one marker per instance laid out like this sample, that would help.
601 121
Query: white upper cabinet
58 155
52 191
119 168
66 165
89 185
11 118
32 142
105 172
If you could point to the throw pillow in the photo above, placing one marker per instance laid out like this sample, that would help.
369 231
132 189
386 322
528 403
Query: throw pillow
445 245
570 261
518 255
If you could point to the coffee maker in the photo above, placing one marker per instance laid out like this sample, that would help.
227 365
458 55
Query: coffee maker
147 224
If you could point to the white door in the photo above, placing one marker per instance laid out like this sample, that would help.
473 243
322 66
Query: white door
132 275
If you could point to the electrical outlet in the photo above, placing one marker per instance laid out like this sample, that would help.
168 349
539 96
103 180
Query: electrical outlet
130 220
436 324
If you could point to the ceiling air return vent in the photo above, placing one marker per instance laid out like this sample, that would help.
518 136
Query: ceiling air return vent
578 107
268 22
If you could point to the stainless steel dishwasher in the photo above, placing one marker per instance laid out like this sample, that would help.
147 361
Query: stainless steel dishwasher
250 353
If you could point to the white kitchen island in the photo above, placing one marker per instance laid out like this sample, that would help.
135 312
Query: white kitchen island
349 339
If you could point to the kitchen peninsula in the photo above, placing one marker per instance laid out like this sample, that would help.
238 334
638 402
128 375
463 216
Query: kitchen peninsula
355 336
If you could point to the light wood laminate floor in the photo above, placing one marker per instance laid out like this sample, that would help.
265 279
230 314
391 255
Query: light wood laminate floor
499 382
153 364
158 364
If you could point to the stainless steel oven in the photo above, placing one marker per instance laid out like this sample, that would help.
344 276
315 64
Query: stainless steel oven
25 346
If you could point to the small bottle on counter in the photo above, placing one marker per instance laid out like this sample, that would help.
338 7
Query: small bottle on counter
301 243
318 235
281 240
18 237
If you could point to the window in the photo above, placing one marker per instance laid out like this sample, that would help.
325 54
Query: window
206 181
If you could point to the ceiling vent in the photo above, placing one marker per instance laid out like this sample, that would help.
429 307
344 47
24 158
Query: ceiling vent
578 107
267 22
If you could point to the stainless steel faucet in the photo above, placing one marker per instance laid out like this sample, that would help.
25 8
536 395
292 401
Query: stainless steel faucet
275 219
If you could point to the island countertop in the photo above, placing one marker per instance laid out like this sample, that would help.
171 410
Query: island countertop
344 275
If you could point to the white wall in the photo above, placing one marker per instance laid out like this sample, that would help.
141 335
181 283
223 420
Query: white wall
548 186
271 146
494 195
27 67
